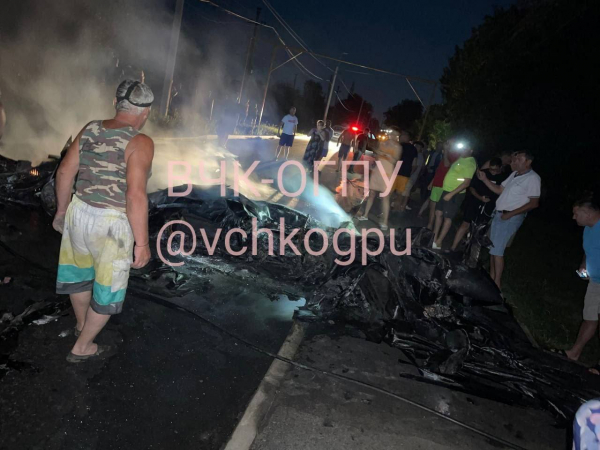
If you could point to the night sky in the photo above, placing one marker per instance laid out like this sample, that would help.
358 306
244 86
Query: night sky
415 37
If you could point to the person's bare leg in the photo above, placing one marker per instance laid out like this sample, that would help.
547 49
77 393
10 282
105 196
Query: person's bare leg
385 207
339 163
492 268
460 234
370 201
81 303
498 269
438 224
432 206
586 332
443 232
403 202
423 208
94 323
279 147
287 155
396 199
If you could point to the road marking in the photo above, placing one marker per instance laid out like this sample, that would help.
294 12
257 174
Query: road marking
266 181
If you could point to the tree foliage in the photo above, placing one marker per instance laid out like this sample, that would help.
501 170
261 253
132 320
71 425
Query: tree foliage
525 79
404 115
347 111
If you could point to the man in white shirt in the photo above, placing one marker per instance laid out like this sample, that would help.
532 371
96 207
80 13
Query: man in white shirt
289 124
519 193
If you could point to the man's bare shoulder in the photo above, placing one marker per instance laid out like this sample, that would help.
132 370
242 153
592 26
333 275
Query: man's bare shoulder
141 142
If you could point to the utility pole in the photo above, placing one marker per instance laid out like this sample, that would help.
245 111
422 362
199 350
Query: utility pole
168 82
249 54
330 93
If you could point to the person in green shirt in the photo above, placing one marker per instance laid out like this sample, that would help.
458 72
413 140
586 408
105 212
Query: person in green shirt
455 186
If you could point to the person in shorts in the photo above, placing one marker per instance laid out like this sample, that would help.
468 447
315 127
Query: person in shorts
518 194
586 213
409 164
104 225
289 123
415 174
455 186
344 143
436 185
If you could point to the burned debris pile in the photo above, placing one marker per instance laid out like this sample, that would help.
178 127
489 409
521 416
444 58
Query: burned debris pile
448 318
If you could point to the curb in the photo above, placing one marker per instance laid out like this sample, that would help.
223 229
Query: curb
246 430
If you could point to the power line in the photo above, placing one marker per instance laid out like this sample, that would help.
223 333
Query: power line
345 87
294 35
374 69
342 103
298 63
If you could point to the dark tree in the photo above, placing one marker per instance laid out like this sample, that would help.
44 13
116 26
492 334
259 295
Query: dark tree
404 114
347 111
284 96
526 79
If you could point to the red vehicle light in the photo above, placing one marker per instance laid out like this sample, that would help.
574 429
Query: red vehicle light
354 128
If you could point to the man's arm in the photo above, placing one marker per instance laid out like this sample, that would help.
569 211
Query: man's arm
139 163
414 167
583 265
462 187
532 204
475 194
65 177
495 188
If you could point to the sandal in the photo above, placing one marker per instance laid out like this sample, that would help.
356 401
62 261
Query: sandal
383 227
73 358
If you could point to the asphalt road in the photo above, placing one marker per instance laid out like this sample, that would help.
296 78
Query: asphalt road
172 380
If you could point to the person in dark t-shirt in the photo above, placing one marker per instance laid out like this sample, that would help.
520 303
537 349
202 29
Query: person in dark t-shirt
480 200
409 165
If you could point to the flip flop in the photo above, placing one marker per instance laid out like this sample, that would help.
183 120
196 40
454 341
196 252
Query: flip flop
73 358
595 369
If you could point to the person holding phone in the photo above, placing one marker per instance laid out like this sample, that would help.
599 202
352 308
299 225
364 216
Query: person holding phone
586 213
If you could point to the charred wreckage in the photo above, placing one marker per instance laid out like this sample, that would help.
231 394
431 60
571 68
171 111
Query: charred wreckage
448 318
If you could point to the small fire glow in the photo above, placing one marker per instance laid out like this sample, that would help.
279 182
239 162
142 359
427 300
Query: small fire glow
34 172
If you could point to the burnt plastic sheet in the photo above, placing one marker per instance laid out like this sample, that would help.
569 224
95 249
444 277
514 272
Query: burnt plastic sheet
447 317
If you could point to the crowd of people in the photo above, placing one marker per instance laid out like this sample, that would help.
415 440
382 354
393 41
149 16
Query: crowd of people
501 192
